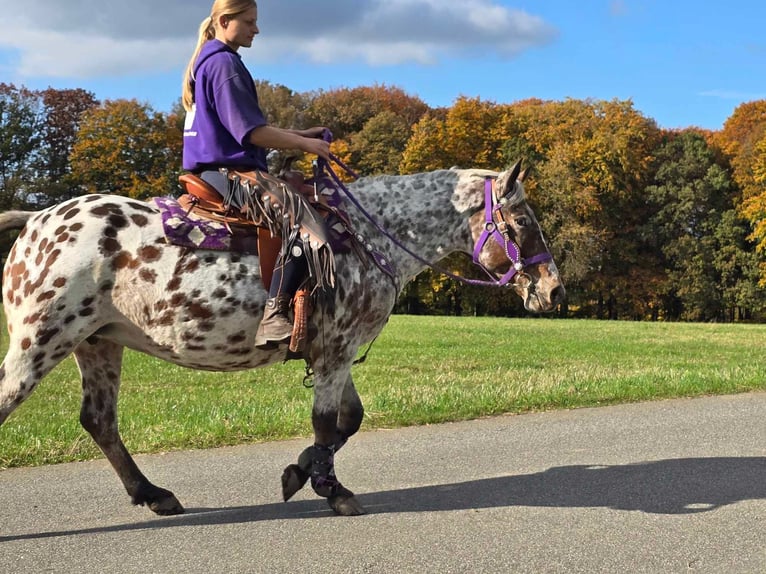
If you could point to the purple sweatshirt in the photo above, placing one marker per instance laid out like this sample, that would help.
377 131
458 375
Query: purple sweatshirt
225 111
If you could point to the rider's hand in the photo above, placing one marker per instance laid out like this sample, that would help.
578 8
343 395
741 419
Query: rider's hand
315 132
317 147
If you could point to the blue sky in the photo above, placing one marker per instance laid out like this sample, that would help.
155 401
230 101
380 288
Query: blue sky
683 63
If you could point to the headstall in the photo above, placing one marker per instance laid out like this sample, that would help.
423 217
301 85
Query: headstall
498 228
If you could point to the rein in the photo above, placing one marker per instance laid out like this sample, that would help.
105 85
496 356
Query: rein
497 230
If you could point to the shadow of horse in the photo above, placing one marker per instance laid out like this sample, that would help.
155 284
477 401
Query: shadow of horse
675 486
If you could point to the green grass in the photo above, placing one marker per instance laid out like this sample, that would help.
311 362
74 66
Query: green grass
421 370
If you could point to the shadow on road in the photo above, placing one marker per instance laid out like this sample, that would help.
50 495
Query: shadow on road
677 486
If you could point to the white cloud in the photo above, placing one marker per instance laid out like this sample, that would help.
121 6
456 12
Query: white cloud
61 55
86 38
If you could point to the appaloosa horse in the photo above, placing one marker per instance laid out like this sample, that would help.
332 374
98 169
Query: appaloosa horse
95 274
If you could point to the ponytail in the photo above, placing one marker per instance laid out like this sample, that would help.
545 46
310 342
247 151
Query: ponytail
206 32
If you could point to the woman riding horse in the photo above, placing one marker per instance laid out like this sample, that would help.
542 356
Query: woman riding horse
225 128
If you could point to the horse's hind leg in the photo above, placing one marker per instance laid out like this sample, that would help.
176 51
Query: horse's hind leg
19 374
100 364
332 428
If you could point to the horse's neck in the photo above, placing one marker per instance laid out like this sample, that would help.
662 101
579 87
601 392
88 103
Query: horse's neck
417 211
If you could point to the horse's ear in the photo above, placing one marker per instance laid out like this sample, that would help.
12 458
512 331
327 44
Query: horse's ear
524 174
515 170
508 184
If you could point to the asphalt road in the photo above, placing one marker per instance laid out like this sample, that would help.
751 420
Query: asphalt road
670 486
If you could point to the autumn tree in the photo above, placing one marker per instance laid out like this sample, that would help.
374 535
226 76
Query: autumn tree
358 117
425 150
742 129
175 121
125 147
346 111
282 106
593 159
377 149
740 140
470 135
475 134
591 162
743 140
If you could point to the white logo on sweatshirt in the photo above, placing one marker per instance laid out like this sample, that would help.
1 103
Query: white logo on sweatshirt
189 122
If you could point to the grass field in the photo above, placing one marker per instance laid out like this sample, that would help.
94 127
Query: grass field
421 370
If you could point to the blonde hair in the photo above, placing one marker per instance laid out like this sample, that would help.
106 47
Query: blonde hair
207 31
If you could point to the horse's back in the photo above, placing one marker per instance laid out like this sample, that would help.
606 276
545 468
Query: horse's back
76 240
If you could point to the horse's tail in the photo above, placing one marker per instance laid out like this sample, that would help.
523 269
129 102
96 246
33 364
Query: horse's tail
14 219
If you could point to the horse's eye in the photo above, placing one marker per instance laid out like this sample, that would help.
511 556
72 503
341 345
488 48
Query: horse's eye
522 221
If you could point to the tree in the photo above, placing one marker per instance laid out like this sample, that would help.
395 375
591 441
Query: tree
175 137
424 150
471 135
739 140
518 121
346 111
126 148
474 134
737 265
282 106
708 264
594 161
753 209
21 122
63 111
743 141
742 128
378 147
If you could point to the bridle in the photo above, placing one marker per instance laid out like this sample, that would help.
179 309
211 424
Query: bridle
496 226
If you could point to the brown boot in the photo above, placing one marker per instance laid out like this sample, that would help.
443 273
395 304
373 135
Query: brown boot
275 326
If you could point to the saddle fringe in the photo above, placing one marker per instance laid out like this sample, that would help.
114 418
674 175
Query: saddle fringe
270 203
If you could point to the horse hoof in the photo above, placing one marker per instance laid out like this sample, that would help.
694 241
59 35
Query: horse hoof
293 479
167 506
346 504
159 500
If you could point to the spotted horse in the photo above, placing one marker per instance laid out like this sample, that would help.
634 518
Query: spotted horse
95 274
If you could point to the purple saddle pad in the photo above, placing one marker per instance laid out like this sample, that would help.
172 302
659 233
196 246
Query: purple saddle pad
188 230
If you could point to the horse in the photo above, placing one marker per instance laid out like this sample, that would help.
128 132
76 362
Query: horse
96 274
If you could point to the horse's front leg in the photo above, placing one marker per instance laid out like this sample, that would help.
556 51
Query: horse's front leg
337 414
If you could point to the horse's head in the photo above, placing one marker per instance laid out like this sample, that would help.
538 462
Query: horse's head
510 244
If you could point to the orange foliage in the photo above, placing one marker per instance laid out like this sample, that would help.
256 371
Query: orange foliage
126 148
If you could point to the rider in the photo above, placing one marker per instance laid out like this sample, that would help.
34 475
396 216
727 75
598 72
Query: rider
225 127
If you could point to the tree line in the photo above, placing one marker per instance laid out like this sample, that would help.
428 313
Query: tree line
645 223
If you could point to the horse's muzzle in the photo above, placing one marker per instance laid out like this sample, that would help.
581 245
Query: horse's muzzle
544 294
